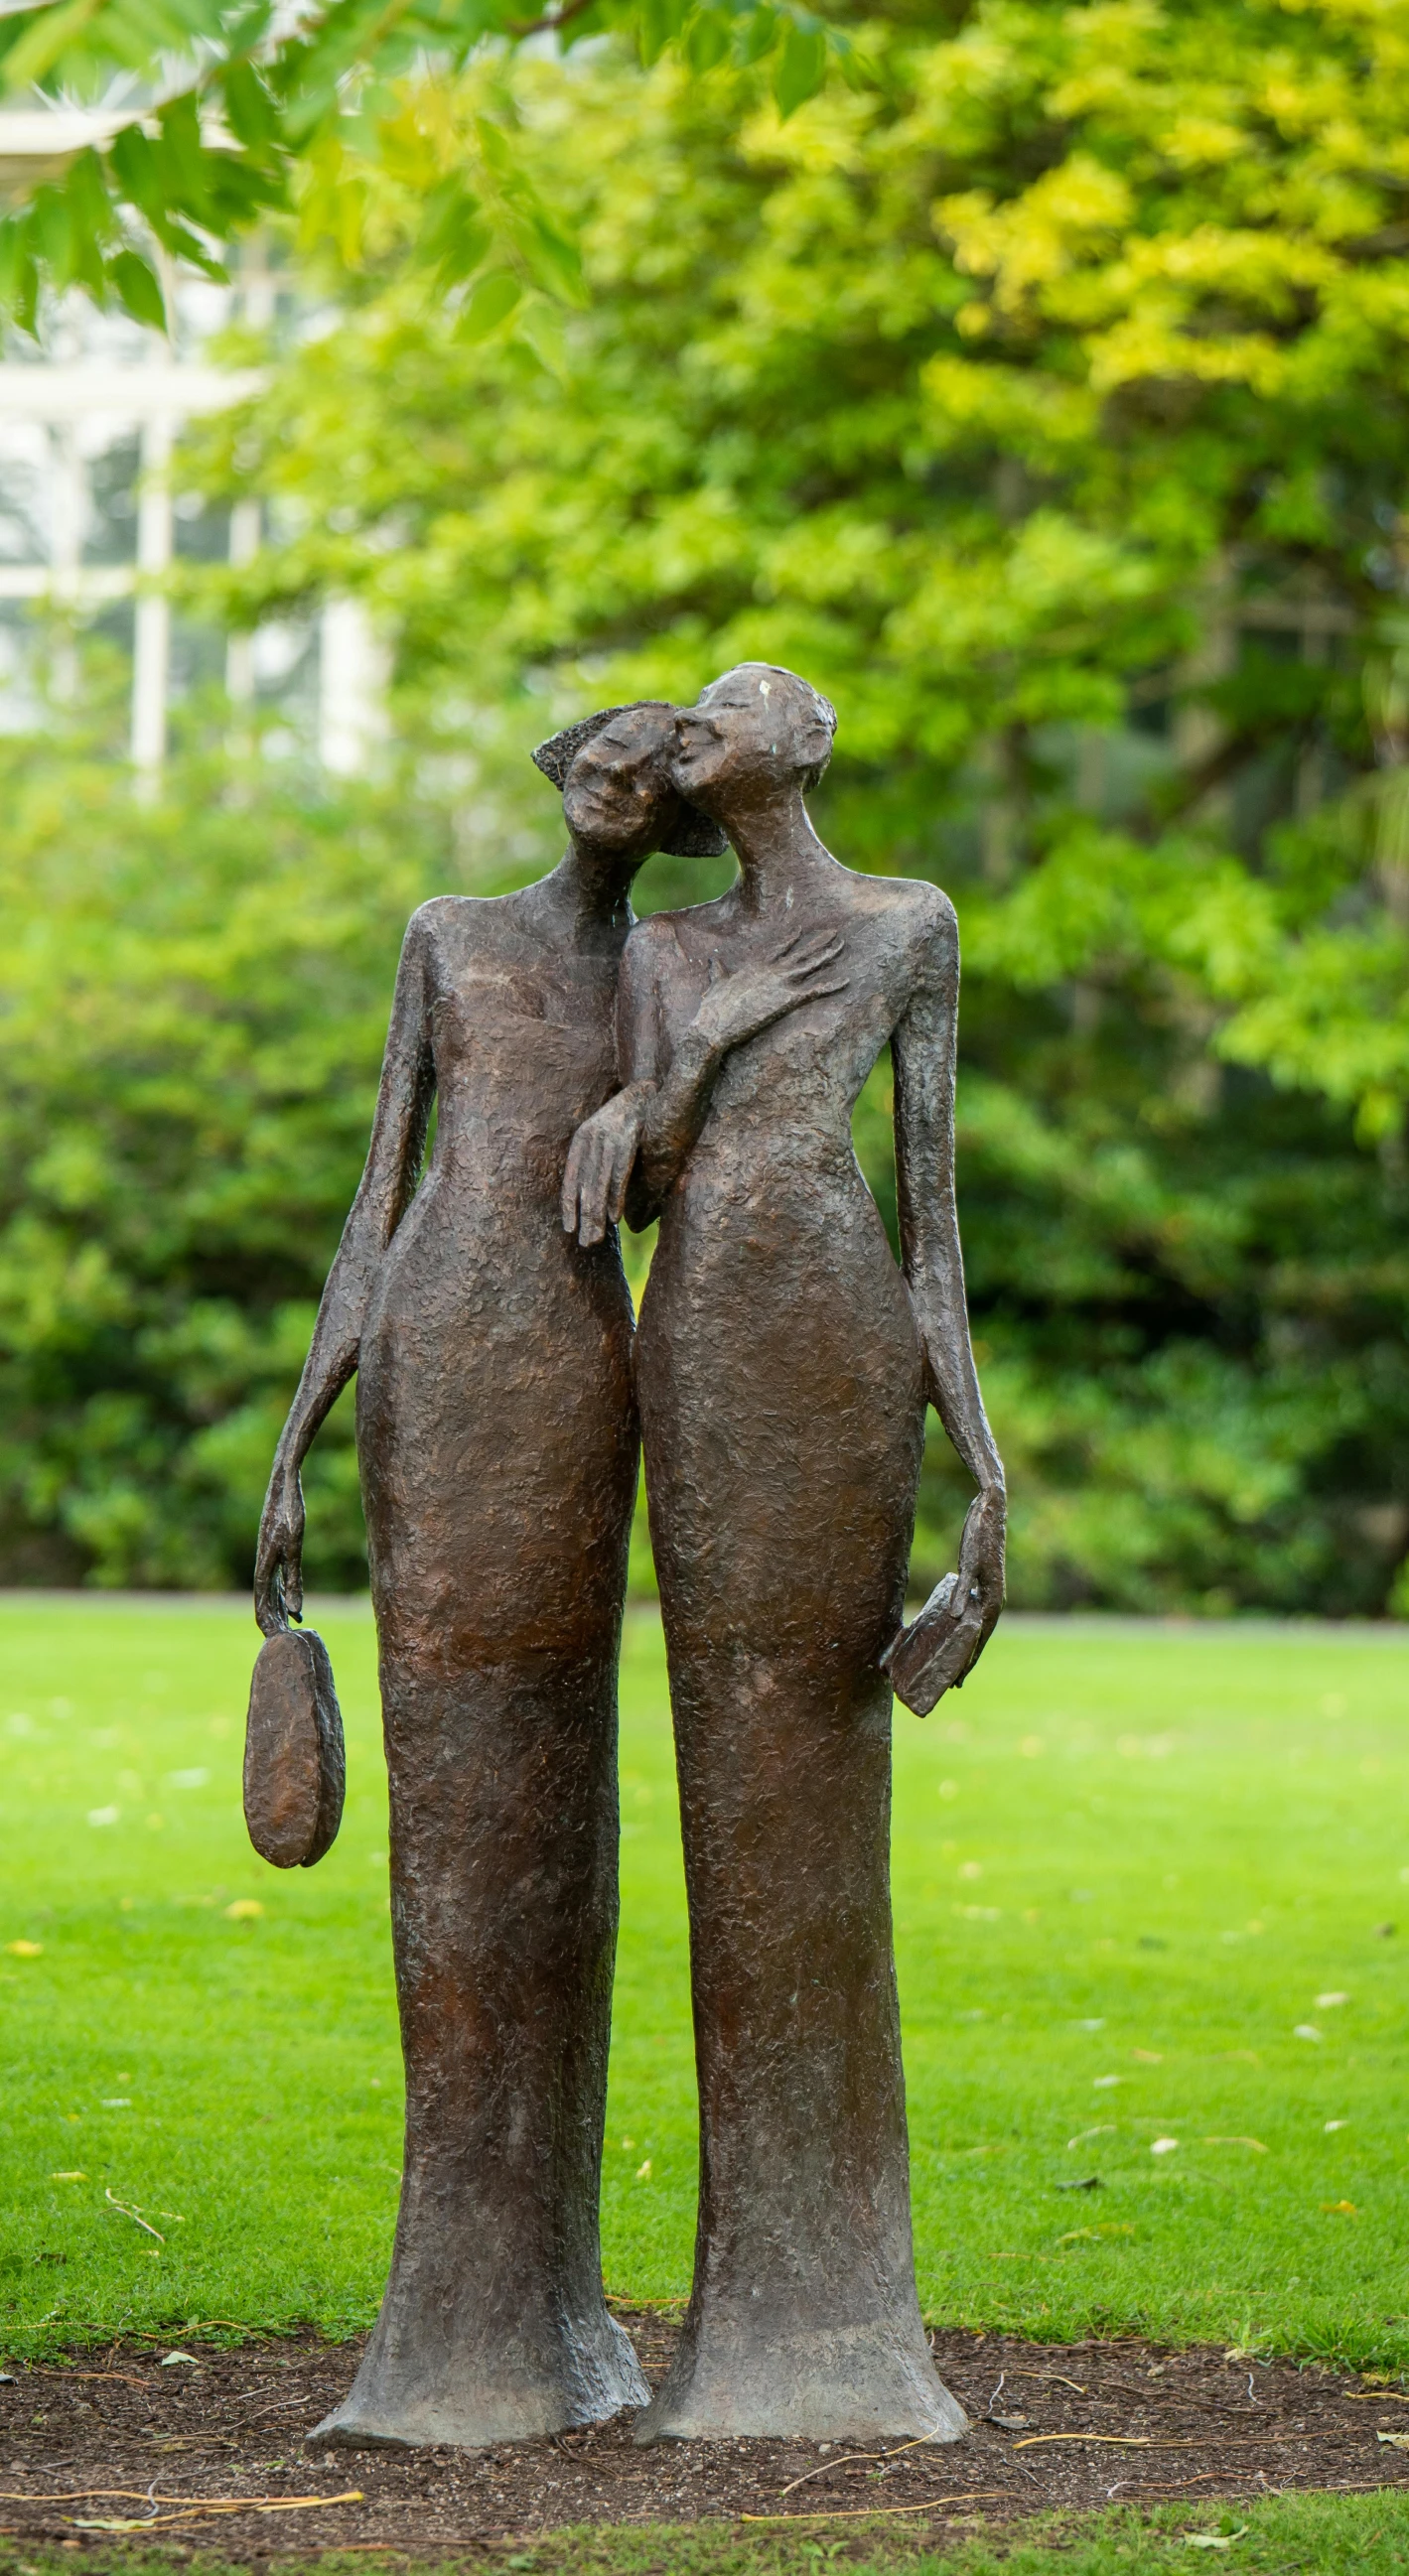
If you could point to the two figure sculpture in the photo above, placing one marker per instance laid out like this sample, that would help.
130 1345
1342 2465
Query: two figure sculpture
699 1067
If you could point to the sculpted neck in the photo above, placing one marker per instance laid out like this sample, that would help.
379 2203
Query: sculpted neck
779 854
591 887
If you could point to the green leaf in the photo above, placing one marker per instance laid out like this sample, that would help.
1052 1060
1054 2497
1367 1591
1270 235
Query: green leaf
91 221
33 57
249 109
454 236
658 22
490 302
801 68
138 289
707 39
496 147
19 278
134 162
183 156
758 33
553 257
51 233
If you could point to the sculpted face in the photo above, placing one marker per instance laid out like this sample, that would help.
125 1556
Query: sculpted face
618 794
752 731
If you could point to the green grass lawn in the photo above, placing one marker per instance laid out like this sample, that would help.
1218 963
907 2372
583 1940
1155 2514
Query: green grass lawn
1144 1885
1305 2535
1279 2535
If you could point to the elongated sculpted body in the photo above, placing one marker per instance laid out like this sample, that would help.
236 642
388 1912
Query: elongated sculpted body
497 1441
784 1363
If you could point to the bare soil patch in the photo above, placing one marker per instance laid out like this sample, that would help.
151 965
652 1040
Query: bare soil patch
117 2437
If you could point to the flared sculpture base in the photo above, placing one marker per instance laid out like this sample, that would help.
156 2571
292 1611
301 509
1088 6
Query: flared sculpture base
851 2384
389 2408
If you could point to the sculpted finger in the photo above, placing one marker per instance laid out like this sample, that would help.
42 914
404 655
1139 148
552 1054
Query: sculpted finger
595 1182
269 1592
786 948
828 951
269 1551
590 1183
622 1161
817 955
572 1181
807 993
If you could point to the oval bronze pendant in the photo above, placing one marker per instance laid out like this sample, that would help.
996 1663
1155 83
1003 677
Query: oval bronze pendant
294 1767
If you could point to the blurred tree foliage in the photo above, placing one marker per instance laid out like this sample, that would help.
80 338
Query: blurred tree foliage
206 118
1045 401
193 999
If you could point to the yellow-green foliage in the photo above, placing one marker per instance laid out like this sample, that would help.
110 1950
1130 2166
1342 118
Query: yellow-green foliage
1039 388
1043 396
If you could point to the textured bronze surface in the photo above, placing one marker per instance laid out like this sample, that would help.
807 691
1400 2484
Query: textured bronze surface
294 1771
783 1366
498 1447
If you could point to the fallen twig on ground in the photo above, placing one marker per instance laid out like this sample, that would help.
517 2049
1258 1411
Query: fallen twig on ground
136 2217
858 2512
843 2458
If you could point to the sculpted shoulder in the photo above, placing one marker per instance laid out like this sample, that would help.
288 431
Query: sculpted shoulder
922 915
652 946
445 915
430 917
927 907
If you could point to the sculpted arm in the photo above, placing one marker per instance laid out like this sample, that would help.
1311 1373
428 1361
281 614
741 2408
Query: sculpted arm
670 1105
384 1193
600 1178
956 1623
631 1153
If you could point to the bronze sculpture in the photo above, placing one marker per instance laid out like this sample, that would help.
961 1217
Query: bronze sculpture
498 1448
783 1366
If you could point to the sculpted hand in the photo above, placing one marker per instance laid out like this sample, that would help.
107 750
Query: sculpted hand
737 1006
940 1649
278 1564
599 1164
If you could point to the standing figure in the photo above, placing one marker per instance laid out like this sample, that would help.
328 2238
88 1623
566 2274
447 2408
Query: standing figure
497 1440
783 1367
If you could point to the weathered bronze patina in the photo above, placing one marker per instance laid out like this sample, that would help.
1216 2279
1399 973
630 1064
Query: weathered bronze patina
294 1770
783 1367
498 1446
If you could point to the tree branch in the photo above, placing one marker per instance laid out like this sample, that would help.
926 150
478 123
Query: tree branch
550 20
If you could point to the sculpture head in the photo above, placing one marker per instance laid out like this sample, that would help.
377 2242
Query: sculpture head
619 799
755 733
